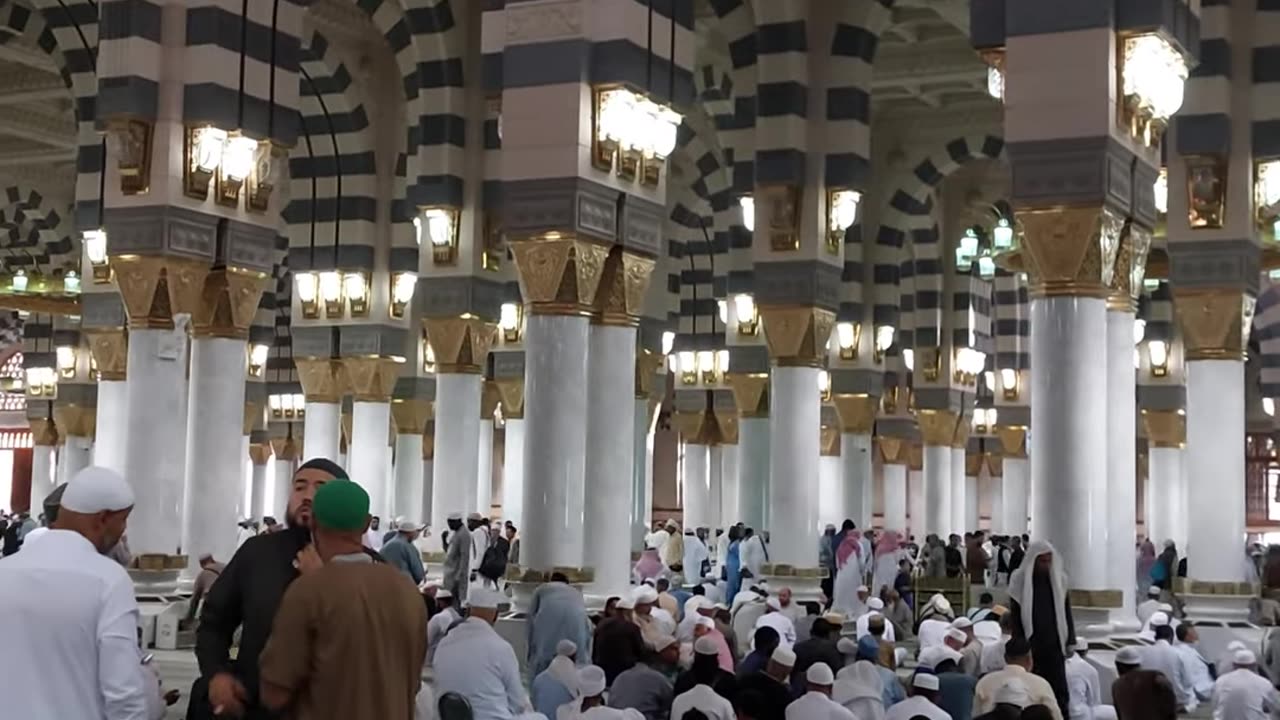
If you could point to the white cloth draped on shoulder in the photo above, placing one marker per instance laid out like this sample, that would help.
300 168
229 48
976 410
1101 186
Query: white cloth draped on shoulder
1022 589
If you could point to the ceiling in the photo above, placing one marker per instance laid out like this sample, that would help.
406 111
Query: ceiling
37 122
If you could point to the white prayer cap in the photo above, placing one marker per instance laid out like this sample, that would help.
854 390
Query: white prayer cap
591 681
696 603
443 594
649 582
987 631
1165 607
773 604
454 516
933 655
834 618
663 642
1154 591
847 646
924 681
957 635
485 599
1013 692
1158 619
625 603
706 622
408 525
475 516
820 673
1244 657
97 489
706 646
1128 655
784 656
566 648
875 604
645 595
962 623
863 588
1236 645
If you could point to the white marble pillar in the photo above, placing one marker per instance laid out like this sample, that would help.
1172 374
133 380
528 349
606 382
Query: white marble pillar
729 478
611 375
641 478
484 467
322 431
370 425
1069 442
513 472
697 485
555 447
1164 495
111 424
715 485
916 504
794 419
282 487
457 441
74 455
960 500
1016 480
157 432
1215 436
937 490
831 492
1121 501
217 449
408 474
43 476
855 468
995 486
895 496
428 484
753 471
261 457
972 509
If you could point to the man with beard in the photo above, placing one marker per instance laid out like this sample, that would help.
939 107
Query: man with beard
1041 614
246 596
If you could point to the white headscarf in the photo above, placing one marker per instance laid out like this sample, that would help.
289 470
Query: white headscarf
1022 589
562 667
859 680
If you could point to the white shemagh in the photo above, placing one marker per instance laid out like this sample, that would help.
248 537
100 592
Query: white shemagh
859 680
1022 589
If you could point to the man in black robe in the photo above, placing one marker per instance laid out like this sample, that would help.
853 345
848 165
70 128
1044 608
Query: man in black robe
1041 615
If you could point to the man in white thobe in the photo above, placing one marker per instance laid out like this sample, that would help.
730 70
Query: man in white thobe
816 704
1148 607
1196 667
475 662
1083 688
440 622
875 605
1243 694
774 618
590 703
1162 658
922 703
69 618
479 530
753 555
695 553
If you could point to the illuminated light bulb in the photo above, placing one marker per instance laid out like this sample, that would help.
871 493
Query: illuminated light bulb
1158 351
95 245
845 335
1155 72
1139 330
909 358
509 317
668 341
884 338
307 287
209 144
403 287
748 205
237 157
330 285
1161 190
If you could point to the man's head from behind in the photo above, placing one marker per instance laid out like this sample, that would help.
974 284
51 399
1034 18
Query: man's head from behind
875 625
206 561
340 518
1164 632
986 600
1017 652
1127 659
483 603
766 640
306 481
96 503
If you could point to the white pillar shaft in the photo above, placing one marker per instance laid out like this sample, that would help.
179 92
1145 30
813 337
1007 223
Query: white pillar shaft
1017 479
729 484
855 464
513 473
971 500
257 508
74 456
715 485
642 447
281 488
1164 506
457 441
1069 438
937 490
484 469
995 486
916 504
370 424
110 430
1215 434
155 436
895 497
555 441
697 485
408 472
959 498
428 493
1122 483
610 461
794 420
217 449
322 431
831 492
42 476
753 471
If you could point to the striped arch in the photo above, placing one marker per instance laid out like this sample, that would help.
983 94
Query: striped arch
691 238
711 182
32 234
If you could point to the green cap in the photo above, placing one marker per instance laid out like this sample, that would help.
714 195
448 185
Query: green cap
341 505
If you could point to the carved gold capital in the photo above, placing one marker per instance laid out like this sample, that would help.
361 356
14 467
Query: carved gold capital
461 344
829 441
143 290
1165 428
623 284
75 420
490 397
893 450
252 416
284 449
915 456
973 464
228 301
260 453
411 416
1214 322
512 393
699 428
1071 250
797 335
750 393
110 349
43 432
1013 440
1130 269
647 364
857 412
323 379
995 464
373 379
559 275
728 429
937 427
960 440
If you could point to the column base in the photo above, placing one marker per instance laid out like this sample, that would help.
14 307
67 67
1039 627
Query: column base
1216 603
524 581
1097 613
156 574
805 583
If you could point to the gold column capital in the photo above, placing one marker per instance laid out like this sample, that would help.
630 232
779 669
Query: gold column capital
1214 322
110 349
857 412
995 464
1165 428
829 441
728 429
461 344
624 281
411 416
228 302
490 397
323 379
1013 440
260 453
893 450
960 439
155 288
44 432
75 420
559 273
373 379
1130 269
1071 250
973 464
937 427
699 428
284 449
797 335
915 456
512 393
647 364
252 416
750 393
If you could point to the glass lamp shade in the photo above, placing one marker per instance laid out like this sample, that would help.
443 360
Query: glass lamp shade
509 317
987 267
1158 351
439 226
668 341
884 338
744 306
748 205
995 83
237 157
403 287
307 287
1161 190
1155 72
207 152
1008 378
1139 330
95 245
355 286
330 285
258 355
846 335
1002 235
909 358
19 282
71 282
844 209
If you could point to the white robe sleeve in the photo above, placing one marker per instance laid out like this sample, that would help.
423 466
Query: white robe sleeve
121 677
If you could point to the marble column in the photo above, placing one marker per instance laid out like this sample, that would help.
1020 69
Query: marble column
428 476
641 474
372 381
697 484
1166 437
857 419
217 449
44 435
1016 478
286 453
937 427
260 454
715 485
960 501
916 491
611 378
410 416
75 425
110 351
893 455
512 392
323 387
831 490
995 485
1122 454
484 451
793 465
729 473
972 491
751 394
